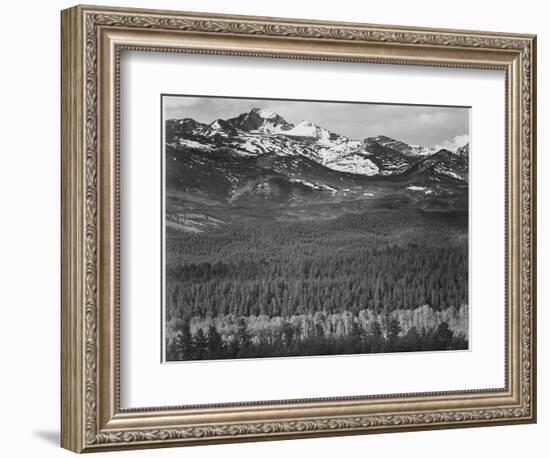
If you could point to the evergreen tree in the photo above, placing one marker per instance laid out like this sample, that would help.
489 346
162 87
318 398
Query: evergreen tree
243 337
215 344
288 333
411 340
442 337
377 338
233 348
184 342
200 345
394 329
355 336
172 351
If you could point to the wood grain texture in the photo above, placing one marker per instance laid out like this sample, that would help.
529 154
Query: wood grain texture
92 39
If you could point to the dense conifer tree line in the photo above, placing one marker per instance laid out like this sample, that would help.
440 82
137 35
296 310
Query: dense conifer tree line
379 262
289 283
288 342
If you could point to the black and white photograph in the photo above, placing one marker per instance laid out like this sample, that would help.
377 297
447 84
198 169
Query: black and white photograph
308 228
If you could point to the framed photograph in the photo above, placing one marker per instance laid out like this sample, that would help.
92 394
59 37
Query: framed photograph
277 228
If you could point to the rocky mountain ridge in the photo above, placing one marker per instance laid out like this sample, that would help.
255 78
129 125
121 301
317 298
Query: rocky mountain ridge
260 132
258 165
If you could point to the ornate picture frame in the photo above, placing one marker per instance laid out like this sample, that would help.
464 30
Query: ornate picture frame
92 40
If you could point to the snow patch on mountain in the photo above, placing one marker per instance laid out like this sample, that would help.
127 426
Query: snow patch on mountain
251 147
268 128
402 147
355 163
264 113
260 120
193 144
346 146
416 188
303 129
308 129
218 127
449 173
317 186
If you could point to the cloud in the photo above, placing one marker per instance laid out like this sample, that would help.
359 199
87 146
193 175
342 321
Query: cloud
433 118
453 143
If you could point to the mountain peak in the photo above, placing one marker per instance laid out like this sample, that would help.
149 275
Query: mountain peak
309 129
383 138
463 150
220 124
187 125
400 146
217 127
264 113
260 120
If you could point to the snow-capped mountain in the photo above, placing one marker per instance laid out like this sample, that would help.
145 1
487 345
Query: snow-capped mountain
260 121
309 130
402 147
258 156
218 127
261 131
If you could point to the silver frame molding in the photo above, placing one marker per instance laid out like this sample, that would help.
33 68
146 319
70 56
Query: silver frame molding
92 39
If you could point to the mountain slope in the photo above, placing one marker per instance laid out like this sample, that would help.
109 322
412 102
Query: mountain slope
258 160
261 131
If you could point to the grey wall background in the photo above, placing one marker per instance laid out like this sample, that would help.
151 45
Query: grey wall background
30 212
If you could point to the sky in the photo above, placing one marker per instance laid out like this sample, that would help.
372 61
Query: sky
429 126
